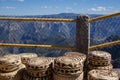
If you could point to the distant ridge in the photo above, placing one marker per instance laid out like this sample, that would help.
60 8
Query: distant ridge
51 15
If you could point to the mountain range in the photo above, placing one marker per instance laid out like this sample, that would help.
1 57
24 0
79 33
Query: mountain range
57 33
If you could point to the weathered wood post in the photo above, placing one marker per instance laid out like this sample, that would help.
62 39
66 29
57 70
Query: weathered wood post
82 34
83 37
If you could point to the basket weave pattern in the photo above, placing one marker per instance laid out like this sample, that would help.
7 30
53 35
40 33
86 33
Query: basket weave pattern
100 67
70 66
10 66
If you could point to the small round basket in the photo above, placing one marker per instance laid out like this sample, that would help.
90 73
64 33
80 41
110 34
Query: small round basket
102 75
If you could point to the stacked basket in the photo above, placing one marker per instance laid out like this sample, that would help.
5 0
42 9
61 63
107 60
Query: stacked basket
100 65
9 67
99 60
39 68
68 68
82 57
26 56
102 75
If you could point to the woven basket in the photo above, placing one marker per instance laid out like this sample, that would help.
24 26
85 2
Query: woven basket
26 56
11 75
77 54
39 66
38 63
81 55
66 62
68 68
102 75
99 55
76 71
99 63
9 62
39 73
28 77
68 77
8 68
109 67
99 58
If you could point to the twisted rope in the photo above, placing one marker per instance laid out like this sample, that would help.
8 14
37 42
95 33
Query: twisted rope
104 17
59 47
104 45
37 46
39 19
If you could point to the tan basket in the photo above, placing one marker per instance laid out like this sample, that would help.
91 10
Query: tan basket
67 77
102 75
9 62
8 68
109 67
99 55
99 58
99 62
71 54
66 62
38 63
28 77
11 75
39 73
68 71
39 66
25 56
8 76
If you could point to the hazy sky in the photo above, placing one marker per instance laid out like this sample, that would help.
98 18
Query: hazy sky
43 7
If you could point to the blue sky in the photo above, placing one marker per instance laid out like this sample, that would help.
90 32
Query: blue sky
45 7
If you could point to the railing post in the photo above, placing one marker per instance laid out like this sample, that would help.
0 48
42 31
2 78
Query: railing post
82 34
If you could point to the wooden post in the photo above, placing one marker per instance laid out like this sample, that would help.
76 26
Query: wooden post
82 34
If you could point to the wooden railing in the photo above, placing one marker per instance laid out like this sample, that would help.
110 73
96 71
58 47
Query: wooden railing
82 33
